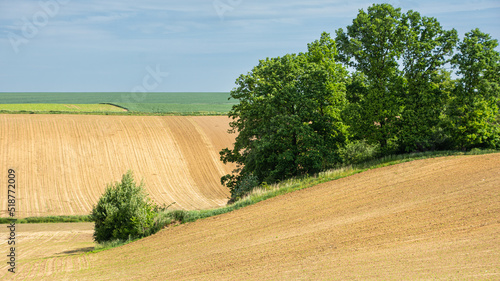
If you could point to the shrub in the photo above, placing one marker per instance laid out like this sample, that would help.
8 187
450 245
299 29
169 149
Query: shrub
179 215
358 152
123 212
244 187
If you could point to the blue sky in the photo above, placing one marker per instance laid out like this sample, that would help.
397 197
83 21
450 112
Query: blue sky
178 46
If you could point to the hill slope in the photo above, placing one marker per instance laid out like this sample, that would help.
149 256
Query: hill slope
429 219
63 162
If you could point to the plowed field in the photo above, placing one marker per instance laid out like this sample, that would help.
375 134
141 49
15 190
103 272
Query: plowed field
429 219
63 162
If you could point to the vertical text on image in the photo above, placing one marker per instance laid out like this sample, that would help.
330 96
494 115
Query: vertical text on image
11 209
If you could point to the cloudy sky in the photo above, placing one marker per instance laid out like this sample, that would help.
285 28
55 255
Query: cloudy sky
186 46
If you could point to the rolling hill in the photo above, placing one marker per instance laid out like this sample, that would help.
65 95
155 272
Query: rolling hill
428 219
64 162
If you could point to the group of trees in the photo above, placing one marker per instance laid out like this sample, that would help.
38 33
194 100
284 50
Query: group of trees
289 116
298 113
303 113
401 83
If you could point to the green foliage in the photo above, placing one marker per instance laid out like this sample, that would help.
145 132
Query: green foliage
50 219
288 117
399 92
245 186
358 152
372 45
473 113
123 212
426 85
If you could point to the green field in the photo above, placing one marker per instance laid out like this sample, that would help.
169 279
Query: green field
93 98
211 103
57 107
173 108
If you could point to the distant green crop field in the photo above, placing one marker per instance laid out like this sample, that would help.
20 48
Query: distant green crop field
43 107
176 108
137 103
115 98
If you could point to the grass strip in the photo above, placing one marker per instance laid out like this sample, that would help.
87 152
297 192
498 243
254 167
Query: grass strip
109 245
175 107
57 107
121 113
48 219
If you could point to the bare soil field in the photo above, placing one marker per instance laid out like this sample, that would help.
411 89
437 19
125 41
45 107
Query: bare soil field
42 240
63 162
36 242
428 219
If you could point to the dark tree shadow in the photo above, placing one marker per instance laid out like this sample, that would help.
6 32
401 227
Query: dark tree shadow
76 251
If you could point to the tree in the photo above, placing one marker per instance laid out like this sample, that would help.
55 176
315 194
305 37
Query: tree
372 45
399 87
473 111
288 117
425 83
123 212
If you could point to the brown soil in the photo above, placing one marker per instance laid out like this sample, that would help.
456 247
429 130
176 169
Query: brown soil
64 162
36 242
428 219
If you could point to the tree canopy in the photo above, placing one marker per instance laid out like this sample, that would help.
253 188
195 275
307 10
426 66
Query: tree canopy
473 111
123 212
288 118
400 56
301 113
427 48
372 46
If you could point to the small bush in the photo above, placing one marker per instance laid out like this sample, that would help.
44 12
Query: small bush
358 152
247 184
179 215
123 212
